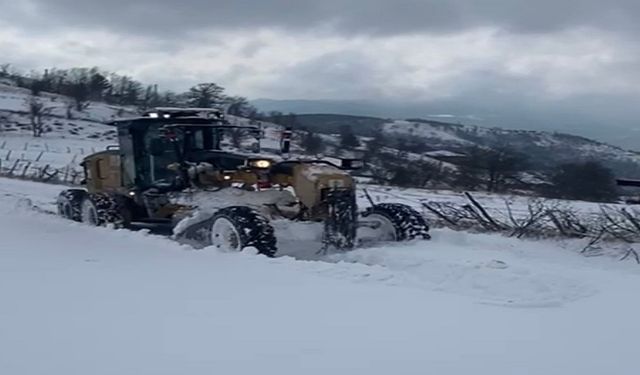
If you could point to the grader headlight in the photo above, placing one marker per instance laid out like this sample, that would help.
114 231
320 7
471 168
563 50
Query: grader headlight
260 163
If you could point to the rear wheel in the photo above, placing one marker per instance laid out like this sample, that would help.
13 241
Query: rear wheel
69 204
101 209
395 222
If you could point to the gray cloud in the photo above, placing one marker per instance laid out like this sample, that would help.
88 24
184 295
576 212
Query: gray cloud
376 17
569 65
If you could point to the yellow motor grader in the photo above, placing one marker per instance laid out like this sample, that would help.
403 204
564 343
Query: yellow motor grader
174 169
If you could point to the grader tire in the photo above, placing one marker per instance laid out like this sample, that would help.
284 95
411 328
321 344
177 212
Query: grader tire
408 223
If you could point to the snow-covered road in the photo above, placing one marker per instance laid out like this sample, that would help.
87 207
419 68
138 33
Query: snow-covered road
82 300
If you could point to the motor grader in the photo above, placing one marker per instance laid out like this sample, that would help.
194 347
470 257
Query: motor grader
174 169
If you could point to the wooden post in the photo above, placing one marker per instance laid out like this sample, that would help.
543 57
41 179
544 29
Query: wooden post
26 168
13 168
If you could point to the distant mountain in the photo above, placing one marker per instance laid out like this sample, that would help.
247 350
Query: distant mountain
610 121
331 123
544 149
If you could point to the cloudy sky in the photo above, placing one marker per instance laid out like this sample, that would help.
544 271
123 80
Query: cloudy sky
540 61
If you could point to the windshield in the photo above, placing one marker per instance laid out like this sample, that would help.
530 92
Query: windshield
199 139
196 139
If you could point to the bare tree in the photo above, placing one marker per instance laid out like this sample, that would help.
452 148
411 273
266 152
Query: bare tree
491 167
37 111
590 181
240 106
312 143
5 70
206 95
347 138
236 135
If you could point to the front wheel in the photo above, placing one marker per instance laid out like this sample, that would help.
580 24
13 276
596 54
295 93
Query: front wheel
394 222
236 228
231 229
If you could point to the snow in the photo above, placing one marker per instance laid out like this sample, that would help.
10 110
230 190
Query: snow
83 300
423 130
318 170
208 203
444 153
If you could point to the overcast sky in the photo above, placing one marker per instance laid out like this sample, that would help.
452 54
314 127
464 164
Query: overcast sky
503 51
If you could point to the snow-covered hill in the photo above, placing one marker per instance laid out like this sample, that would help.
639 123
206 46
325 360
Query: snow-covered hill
68 135
544 149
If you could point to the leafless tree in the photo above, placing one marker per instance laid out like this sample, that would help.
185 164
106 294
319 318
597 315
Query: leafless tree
5 70
37 111
236 136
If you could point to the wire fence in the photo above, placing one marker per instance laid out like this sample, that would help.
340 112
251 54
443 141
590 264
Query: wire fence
42 162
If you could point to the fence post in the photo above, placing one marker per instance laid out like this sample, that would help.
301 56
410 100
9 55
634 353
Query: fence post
13 168
43 171
26 145
8 154
26 168
46 147
40 155
3 145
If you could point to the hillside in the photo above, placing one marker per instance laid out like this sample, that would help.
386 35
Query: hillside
544 149
70 134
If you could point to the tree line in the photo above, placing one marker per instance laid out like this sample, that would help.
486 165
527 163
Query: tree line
84 85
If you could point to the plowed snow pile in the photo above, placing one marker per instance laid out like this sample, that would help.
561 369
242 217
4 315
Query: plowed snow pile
81 300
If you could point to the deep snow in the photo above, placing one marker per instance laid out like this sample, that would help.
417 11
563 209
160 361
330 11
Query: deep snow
82 300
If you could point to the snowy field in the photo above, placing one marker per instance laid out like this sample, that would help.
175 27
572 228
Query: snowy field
83 300
65 141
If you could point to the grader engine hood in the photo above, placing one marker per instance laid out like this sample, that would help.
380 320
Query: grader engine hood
310 180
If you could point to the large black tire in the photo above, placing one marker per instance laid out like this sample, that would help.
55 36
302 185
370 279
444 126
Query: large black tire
252 229
341 224
70 203
102 209
408 223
